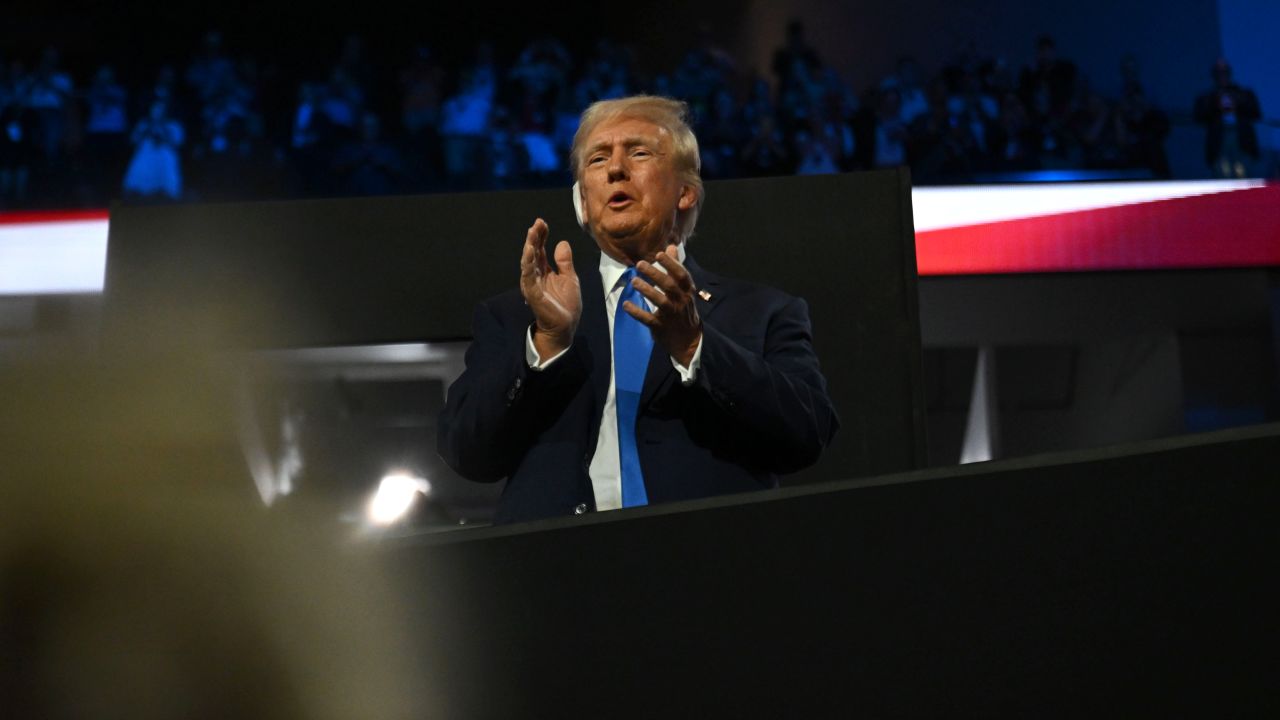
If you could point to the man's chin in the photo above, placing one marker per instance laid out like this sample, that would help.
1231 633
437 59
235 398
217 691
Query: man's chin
626 238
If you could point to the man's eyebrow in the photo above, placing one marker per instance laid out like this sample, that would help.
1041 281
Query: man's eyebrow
628 142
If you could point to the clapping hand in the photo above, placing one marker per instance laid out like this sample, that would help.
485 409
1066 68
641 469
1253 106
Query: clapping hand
674 322
554 297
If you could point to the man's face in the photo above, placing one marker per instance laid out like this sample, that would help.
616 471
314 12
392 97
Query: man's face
1222 74
632 190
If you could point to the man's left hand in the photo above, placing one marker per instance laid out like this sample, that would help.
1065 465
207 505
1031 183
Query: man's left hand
675 323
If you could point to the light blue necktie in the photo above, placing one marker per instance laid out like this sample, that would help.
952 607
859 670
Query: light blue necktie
632 343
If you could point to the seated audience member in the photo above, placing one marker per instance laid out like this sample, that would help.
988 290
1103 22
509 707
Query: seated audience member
367 165
907 80
646 378
17 139
210 69
1143 129
796 53
942 143
765 152
154 170
1096 127
816 155
47 95
1228 112
464 122
107 126
1048 87
1014 142
882 136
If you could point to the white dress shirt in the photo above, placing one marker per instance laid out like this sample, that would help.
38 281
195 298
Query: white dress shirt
606 466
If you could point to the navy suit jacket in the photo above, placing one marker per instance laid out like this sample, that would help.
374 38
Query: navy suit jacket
759 405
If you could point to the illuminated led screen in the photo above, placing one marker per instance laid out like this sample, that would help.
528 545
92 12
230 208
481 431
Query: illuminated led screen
968 230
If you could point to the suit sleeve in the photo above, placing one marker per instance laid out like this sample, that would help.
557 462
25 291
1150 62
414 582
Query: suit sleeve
778 398
1250 109
498 405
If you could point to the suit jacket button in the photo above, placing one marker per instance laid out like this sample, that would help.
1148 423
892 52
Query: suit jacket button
580 509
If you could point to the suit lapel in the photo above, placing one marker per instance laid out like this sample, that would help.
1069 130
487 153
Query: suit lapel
593 331
708 283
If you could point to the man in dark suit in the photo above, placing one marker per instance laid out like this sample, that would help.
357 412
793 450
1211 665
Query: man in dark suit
649 381
1228 112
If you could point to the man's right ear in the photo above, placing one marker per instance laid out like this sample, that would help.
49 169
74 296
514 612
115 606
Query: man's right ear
577 206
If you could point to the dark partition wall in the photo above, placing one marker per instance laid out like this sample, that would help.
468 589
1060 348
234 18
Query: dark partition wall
1128 581
411 269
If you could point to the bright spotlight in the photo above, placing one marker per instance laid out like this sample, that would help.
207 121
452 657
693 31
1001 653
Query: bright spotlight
395 496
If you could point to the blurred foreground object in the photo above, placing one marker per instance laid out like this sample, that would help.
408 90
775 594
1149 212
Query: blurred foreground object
140 577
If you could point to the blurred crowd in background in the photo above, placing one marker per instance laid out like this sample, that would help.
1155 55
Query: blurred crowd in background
226 127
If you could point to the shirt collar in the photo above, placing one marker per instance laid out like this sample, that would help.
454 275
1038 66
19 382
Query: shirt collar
611 270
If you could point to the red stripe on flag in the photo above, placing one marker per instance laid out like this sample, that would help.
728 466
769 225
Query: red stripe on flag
1230 229
50 216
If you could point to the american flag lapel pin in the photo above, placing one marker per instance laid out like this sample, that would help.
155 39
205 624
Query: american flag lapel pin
704 295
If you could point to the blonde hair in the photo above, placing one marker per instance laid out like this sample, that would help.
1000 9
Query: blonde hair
668 114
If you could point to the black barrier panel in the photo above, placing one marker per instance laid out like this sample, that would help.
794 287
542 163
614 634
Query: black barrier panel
1133 580
411 269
